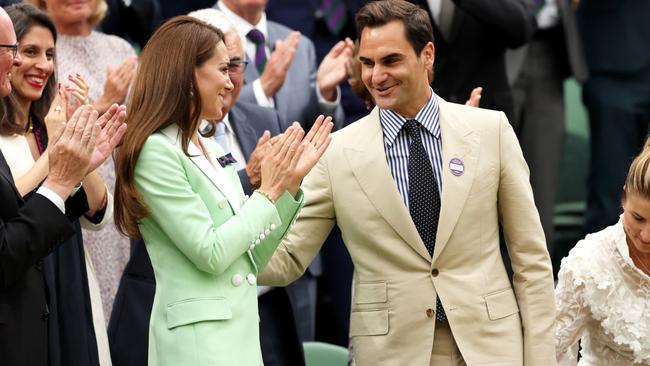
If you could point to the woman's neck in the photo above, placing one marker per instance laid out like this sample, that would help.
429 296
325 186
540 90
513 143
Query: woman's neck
22 112
74 29
641 260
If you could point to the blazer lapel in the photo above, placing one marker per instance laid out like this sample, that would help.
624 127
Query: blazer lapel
459 141
215 173
370 168
245 134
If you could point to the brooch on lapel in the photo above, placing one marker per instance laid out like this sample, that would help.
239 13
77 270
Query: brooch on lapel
226 160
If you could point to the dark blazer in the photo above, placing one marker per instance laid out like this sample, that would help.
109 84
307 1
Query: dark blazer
573 44
28 232
474 55
611 31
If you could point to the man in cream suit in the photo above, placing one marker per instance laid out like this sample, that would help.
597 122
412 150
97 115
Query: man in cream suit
419 189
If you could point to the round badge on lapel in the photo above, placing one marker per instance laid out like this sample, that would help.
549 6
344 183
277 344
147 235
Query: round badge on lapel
457 167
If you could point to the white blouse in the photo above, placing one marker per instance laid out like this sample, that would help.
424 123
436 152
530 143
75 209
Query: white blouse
603 300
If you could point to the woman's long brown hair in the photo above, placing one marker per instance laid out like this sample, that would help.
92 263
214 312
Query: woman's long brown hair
164 92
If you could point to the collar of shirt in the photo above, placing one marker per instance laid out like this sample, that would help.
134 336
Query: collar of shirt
428 116
243 26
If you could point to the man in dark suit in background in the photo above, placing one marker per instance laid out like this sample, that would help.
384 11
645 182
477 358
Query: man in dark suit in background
31 230
471 38
554 53
617 96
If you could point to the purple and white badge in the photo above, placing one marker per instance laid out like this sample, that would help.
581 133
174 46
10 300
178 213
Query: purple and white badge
456 166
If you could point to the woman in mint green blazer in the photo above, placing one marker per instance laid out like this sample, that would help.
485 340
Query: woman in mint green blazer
179 192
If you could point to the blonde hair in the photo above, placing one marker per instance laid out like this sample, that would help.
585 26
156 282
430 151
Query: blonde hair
96 17
638 177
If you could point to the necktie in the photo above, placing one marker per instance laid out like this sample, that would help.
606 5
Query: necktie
335 14
257 38
424 197
537 6
446 18
222 137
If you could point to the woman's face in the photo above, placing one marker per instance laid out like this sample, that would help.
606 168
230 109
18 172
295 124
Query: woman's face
636 219
37 51
213 83
69 11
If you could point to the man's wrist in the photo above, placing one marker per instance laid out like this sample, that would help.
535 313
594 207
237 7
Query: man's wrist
53 197
61 189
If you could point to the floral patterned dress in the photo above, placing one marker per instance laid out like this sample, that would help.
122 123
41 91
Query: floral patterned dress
90 56
603 300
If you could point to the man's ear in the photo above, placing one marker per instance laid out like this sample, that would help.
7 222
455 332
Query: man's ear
428 55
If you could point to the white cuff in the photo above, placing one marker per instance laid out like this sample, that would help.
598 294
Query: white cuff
260 96
53 197
326 103
108 216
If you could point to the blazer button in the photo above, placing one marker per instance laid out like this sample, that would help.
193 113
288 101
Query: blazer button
435 272
431 313
251 279
273 226
222 203
251 247
237 280
262 236
267 232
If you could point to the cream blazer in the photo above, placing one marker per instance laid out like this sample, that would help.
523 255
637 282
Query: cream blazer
396 280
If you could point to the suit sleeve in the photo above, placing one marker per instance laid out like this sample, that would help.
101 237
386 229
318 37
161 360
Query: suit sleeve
174 207
511 20
333 109
533 275
308 234
36 230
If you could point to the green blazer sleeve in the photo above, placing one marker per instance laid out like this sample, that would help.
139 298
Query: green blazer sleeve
184 206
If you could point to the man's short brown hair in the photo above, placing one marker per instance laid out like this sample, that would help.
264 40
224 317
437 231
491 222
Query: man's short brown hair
417 23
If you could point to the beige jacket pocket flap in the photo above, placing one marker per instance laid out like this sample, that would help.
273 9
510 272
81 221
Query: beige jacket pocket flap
370 293
197 310
501 304
369 322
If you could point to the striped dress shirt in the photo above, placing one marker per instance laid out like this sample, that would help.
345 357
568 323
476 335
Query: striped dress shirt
397 140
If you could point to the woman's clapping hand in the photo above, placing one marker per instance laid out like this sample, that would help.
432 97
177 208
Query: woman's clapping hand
292 156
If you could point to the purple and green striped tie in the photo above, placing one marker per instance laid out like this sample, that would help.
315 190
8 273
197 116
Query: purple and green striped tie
335 14
257 38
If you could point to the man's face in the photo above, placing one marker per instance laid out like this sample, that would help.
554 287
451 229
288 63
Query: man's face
244 8
395 76
7 59
235 70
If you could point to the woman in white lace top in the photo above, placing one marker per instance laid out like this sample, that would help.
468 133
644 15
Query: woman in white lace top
603 291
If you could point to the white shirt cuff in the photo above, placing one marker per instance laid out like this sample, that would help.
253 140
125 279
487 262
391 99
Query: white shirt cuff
326 102
260 96
53 197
